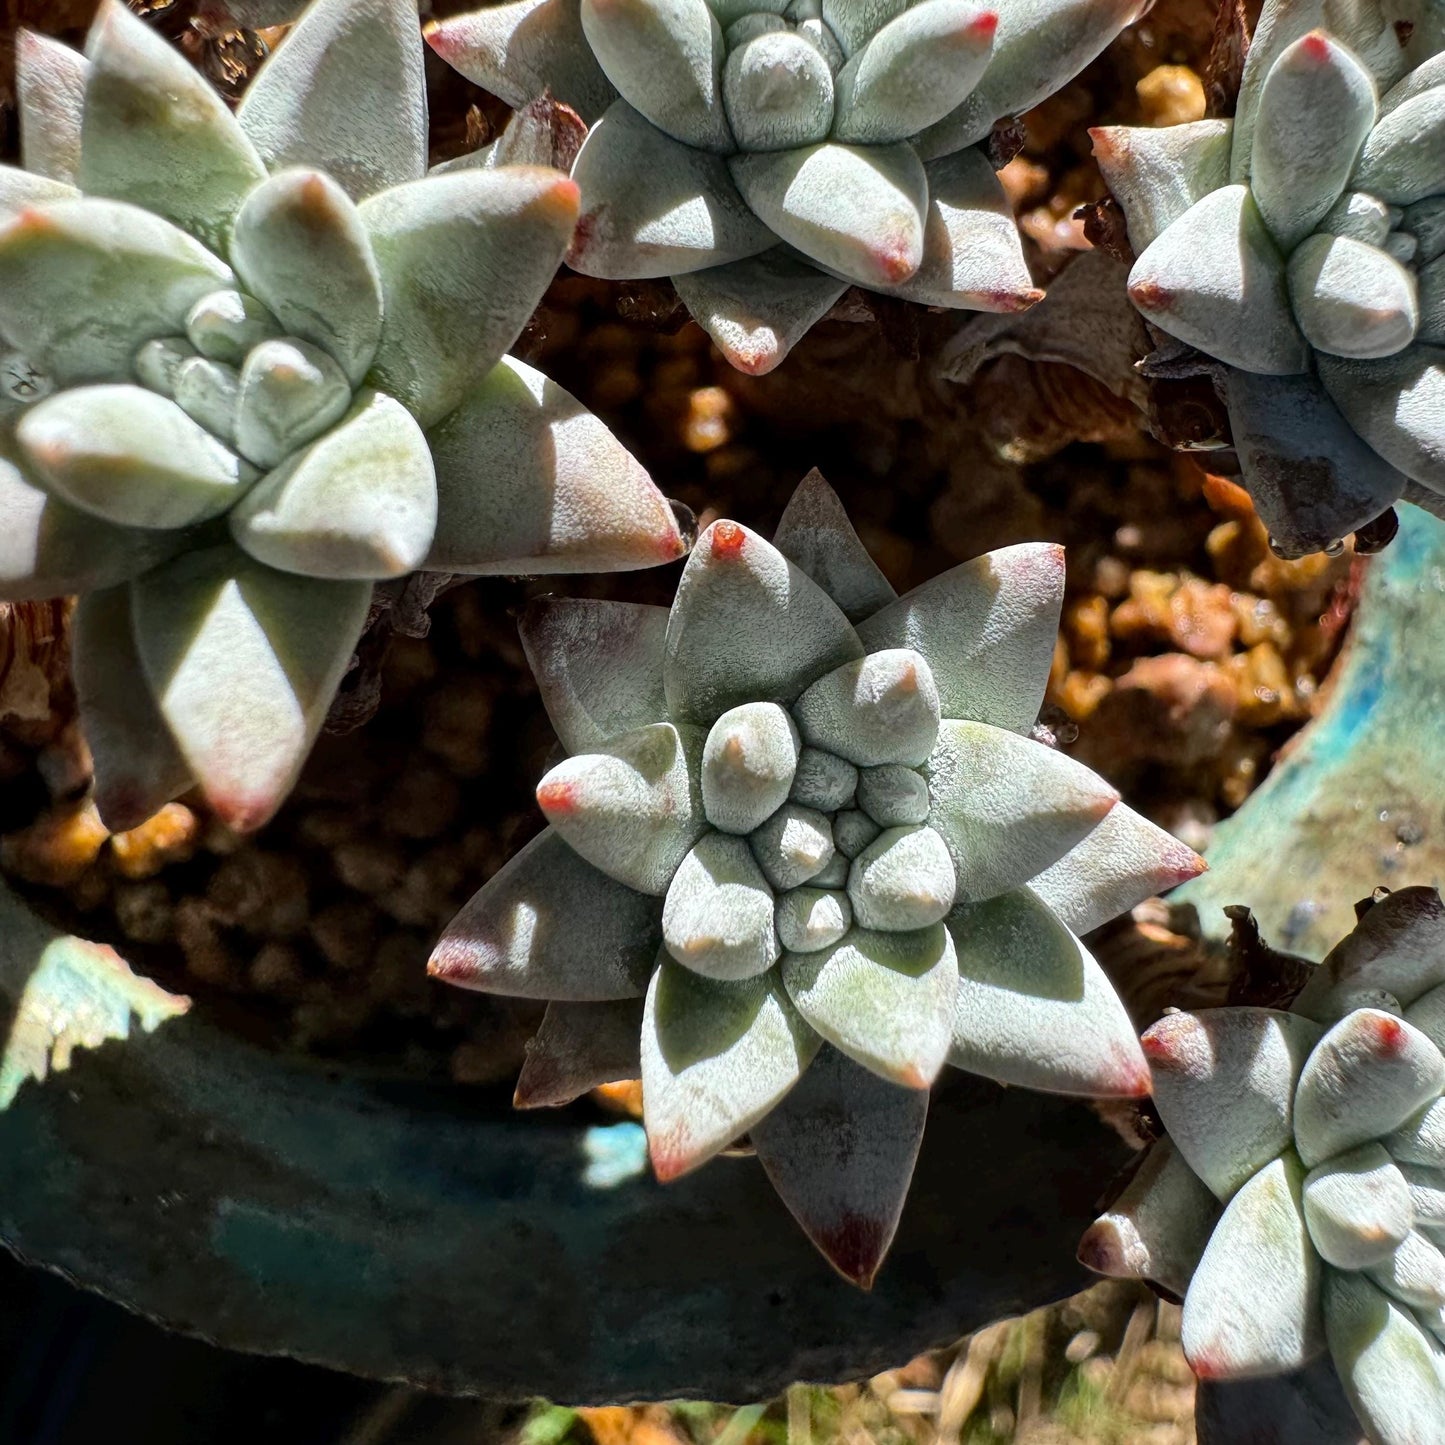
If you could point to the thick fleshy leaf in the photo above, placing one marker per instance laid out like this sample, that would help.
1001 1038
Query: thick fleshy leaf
1425 76
883 708
522 48
1224 1083
1366 1077
1007 806
86 283
1398 405
857 210
716 1057
885 999
777 90
972 256
987 629
1157 1228
748 626
300 247
550 925
20 189
757 309
244 662
840 1151
1357 1206
528 480
809 919
208 392
1033 1006
1359 216
346 94
824 781
793 846
1430 279
579 1047
1036 49
633 808
1427 1195
50 90
850 21
1156 173
853 831
1315 109
361 501
1403 161
893 796
815 534
1421 1138
129 456
1215 279
1425 220
598 666
137 766
1253 1306
748 765
652 206
1351 299
665 57
289 393
717 919
1123 861
222 326
157 134
1427 1014
902 880
1311 476
1392 1371
1414 1273
464 259
49 549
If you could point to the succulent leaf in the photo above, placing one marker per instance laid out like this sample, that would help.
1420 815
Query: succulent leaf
301 110
1351 299
902 880
209 393
748 764
853 831
289 393
1414 1273
1403 161
50 90
550 925
21 189
1398 405
840 1150
793 846
882 708
893 796
222 326
777 91
243 662
717 919
1421 1138
578 1048
1357 1206
823 781
809 919
1427 1194
1034 1008
1427 1014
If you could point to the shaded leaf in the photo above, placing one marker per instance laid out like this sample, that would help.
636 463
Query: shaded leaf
50 89
579 1047
1357 1206
717 919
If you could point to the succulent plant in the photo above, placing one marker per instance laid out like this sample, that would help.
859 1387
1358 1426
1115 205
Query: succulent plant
765 154
254 363
1301 245
803 853
1321 1134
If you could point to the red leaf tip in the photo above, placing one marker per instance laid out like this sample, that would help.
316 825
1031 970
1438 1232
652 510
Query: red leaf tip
727 541
1389 1034
983 26
1316 46
557 799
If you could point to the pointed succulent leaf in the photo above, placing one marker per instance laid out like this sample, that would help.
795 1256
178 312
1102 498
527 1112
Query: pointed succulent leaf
633 808
815 534
550 925
1224 1084
716 1057
882 708
1033 1006
717 919
21 189
463 260
1430 279
987 628
129 456
1427 1014
1253 1306
1425 220
1421 1138
1351 299
913 71
209 393
876 239
1123 861
652 206
1366 1077
1403 161
137 766
155 133
88 282
361 501
346 94
885 999
1360 216
665 57
1007 806
809 919
528 480
1315 109
1424 76
1357 1206
1157 1228
748 626
972 256
1156 173
1427 1194
748 765
823 780
224 326
757 309
1414 1273
519 49
793 846
49 549
1215 279
840 1150
300 246
290 393
579 1047
902 880
893 796
244 662
777 91
1398 405
1392 1371
853 831
833 874
50 89
853 21
598 665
